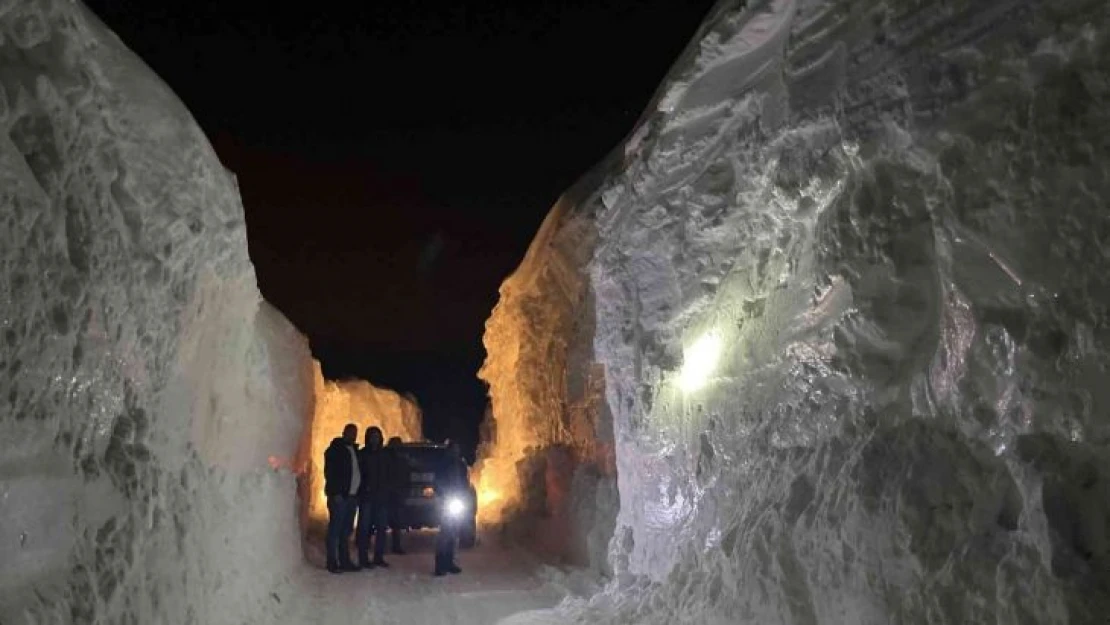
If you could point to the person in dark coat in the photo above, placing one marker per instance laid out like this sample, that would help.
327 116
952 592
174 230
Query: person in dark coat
373 505
342 481
451 483
399 473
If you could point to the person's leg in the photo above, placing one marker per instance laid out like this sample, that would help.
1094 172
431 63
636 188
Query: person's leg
441 551
350 505
336 517
449 553
381 520
362 534
395 532
395 527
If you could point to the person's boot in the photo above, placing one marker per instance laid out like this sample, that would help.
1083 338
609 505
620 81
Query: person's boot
345 562
381 562
453 569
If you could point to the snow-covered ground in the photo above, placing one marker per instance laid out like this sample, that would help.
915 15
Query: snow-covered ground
497 582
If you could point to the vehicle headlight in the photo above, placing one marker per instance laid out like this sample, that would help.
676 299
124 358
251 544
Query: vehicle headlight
455 507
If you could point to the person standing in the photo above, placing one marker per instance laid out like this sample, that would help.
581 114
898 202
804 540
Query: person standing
451 482
342 480
373 505
399 470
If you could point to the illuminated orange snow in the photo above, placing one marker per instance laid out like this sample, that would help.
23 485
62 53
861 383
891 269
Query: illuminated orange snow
358 402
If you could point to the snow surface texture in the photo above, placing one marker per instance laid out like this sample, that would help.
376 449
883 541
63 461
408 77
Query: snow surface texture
546 471
144 386
361 403
852 301
850 298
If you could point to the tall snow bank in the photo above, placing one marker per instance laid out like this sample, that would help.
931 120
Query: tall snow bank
352 401
145 388
545 461
853 307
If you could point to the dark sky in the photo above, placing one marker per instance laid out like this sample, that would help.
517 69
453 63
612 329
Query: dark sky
396 157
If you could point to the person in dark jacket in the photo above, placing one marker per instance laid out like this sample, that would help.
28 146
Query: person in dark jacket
399 470
373 499
342 481
451 483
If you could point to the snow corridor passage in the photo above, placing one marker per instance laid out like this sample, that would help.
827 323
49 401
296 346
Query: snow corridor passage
824 342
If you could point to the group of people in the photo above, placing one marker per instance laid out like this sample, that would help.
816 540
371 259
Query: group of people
369 484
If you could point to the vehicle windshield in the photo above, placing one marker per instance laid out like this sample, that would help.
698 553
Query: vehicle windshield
425 458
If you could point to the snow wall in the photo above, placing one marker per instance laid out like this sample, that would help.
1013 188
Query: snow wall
851 290
351 401
546 469
145 388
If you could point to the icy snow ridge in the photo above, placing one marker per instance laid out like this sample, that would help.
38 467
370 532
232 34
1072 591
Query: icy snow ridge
874 232
546 473
144 386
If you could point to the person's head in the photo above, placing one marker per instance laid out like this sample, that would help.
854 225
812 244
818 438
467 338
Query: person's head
374 437
350 433
394 441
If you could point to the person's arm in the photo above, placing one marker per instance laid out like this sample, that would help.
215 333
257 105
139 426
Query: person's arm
329 467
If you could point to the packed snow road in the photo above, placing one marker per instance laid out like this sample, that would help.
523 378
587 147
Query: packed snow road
497 582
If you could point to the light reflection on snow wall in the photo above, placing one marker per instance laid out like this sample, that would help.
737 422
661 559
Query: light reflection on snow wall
143 383
351 401
545 462
891 217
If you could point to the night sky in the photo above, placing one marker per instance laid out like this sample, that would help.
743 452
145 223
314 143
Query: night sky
396 157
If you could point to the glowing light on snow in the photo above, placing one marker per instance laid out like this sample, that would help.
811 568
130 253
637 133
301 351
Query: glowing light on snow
699 360
358 402
528 341
487 495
